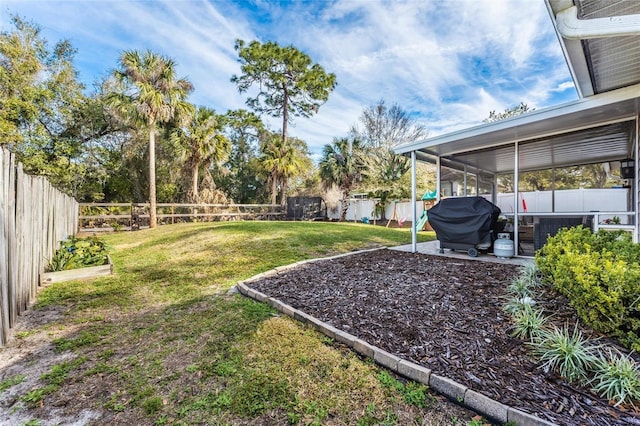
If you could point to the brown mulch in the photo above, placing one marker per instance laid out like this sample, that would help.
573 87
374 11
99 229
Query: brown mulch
445 314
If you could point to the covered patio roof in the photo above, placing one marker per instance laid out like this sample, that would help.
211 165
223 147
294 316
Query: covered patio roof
601 43
597 129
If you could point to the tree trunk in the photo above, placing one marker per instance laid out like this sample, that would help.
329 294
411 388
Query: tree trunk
285 122
283 192
195 198
345 207
194 185
152 177
274 189
285 116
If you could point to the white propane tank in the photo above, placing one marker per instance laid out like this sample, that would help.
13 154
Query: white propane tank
503 246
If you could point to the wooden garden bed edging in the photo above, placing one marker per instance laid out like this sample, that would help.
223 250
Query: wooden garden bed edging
77 274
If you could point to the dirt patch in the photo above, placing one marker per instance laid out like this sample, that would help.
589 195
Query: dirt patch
445 314
30 354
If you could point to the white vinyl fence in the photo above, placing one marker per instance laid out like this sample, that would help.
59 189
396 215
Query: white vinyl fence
565 201
361 208
568 201
34 217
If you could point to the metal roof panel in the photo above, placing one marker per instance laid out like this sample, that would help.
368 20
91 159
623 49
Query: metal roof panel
595 129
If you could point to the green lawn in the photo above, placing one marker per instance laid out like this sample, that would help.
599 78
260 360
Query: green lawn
163 342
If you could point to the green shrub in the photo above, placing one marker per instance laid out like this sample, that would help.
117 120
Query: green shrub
617 378
521 290
520 287
600 275
531 275
77 252
569 354
528 323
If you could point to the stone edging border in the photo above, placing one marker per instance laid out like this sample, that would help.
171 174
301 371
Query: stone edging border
443 385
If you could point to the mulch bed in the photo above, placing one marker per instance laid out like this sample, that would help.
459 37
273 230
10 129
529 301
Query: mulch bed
445 314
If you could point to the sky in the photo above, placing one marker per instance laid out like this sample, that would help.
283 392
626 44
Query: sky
447 63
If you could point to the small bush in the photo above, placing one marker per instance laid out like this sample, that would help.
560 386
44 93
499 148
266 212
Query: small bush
516 304
531 275
600 275
520 287
528 323
79 253
617 378
570 355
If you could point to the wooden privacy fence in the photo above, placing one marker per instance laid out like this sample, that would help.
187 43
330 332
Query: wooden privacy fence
34 217
110 216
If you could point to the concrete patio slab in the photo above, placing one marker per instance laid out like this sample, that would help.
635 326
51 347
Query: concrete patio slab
433 248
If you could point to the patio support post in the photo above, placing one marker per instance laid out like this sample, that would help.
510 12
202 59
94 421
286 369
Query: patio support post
414 214
636 200
494 190
438 183
553 189
464 189
516 199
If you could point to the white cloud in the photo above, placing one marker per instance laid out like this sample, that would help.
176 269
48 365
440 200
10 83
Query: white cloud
565 85
447 62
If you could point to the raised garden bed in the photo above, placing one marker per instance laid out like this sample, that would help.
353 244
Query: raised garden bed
77 274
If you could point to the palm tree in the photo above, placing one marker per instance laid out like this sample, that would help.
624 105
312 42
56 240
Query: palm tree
341 166
149 95
282 159
203 144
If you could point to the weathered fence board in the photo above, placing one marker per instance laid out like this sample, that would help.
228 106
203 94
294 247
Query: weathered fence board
34 217
5 207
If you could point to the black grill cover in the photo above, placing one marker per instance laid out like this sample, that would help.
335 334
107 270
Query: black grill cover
464 220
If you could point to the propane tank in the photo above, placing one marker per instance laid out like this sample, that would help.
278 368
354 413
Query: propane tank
503 246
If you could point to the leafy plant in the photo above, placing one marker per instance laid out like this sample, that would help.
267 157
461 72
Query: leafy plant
569 354
520 292
516 304
529 323
600 275
531 275
520 287
152 405
617 378
77 252
478 421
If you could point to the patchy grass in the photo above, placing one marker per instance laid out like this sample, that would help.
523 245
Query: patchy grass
161 341
11 381
53 381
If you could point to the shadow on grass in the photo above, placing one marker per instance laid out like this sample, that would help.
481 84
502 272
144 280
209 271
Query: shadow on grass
129 360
